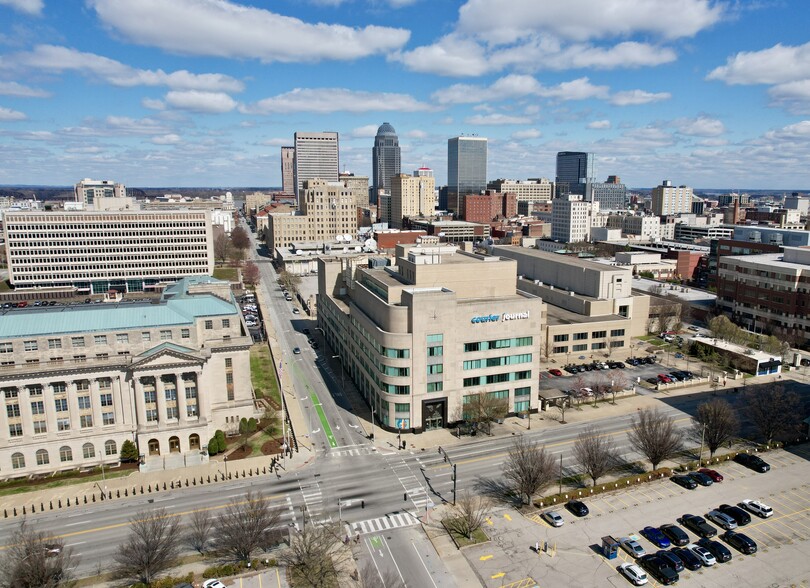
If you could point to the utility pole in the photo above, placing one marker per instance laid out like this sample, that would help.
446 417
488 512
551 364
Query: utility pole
702 436
455 478
560 473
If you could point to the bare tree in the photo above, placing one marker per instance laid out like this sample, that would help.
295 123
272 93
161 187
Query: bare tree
289 281
773 410
221 246
33 559
596 453
484 408
715 424
469 514
248 524
198 530
562 404
250 273
152 547
618 382
654 435
529 468
240 239
317 557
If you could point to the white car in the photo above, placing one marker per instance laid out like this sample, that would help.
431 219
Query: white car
633 547
553 518
213 584
758 508
633 573
703 554
722 520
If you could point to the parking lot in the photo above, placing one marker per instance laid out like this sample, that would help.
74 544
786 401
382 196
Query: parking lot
782 539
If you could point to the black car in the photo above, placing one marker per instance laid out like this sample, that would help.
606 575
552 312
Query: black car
720 552
700 478
742 543
689 559
658 568
698 525
675 534
684 481
653 381
577 507
672 559
740 517
752 462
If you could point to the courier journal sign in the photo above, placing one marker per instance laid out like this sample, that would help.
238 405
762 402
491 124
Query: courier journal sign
500 318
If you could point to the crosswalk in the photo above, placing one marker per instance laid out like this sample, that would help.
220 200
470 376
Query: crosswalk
349 452
394 521
415 491
313 500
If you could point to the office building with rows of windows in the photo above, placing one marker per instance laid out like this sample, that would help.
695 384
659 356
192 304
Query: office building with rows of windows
78 381
422 338
93 252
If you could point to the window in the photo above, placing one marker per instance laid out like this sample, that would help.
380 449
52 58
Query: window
580 347
10 393
54 344
468 382
526 391
79 358
151 415
100 339
15 430
30 345
402 407
13 410
38 407
77 341
598 334
562 349
209 325
42 457
17 461
228 362
122 338
171 394
521 406
106 399
598 345
88 450
40 427
108 418
580 336
191 392
191 410
472 347
146 336
58 388
35 390
435 351
150 396
614 344
65 453
435 369
435 386
104 383
110 448
84 402
226 323
165 334
229 379
560 338
472 364
435 338
86 421
6 348
185 333
171 412
617 333
63 424
60 404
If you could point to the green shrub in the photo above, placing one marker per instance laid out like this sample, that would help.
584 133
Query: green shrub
220 437
252 425
213 446
129 452
243 426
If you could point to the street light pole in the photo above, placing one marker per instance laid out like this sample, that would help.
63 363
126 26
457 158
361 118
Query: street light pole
702 436
372 422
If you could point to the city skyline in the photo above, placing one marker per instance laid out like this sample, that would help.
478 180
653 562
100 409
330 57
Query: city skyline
197 93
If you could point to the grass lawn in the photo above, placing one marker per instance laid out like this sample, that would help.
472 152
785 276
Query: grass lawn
14 488
478 536
225 273
262 373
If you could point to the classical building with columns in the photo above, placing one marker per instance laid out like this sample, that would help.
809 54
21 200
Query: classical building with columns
77 381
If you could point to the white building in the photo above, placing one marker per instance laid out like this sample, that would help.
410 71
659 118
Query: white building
669 199
572 219
88 190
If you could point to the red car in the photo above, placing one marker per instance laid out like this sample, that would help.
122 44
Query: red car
664 379
713 474
555 372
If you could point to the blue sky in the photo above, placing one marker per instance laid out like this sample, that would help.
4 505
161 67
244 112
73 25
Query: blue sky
712 94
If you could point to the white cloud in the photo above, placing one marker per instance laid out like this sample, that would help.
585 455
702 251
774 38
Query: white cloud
712 142
220 28
518 86
212 102
170 139
452 55
58 59
527 134
18 90
32 7
702 126
636 97
365 131
497 119
6 114
416 134
795 96
277 142
586 19
326 100
153 104
780 63
599 125
799 131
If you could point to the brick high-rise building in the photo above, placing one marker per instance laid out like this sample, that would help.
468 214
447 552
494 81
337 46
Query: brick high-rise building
484 208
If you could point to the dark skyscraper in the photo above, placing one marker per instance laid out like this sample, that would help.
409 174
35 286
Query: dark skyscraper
576 169
466 169
385 158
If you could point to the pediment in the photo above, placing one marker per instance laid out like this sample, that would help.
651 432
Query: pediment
167 354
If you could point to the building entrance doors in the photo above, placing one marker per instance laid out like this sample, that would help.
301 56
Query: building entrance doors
434 414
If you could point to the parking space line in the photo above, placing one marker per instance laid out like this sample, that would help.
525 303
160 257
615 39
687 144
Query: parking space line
788 525
595 505
661 494
616 497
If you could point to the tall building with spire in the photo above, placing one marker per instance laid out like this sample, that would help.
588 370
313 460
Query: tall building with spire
386 158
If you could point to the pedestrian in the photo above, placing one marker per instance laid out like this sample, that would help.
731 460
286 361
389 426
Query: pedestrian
537 547
357 538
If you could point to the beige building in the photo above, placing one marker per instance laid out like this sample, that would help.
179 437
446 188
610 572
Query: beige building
288 170
88 191
411 196
572 219
532 190
79 381
255 201
357 185
316 156
422 338
668 199
94 252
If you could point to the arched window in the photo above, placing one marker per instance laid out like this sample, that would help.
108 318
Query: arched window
17 460
42 457
194 441
88 450
110 448
65 453
174 444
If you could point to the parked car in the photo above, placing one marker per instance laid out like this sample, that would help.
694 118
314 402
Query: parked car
675 534
693 328
553 518
664 379
740 517
717 549
577 507
586 391
740 542
684 481
701 478
690 560
633 573
296 311
713 474
752 462
758 508
672 559
704 555
297 350
555 372
656 537
721 520
632 547
697 525
652 381
659 569
213 584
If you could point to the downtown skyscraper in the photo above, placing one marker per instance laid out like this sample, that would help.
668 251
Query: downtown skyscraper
316 157
575 170
466 169
385 158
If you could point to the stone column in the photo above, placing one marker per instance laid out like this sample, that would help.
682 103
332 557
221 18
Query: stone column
73 405
161 398
181 398
4 415
26 416
140 405
95 402
118 401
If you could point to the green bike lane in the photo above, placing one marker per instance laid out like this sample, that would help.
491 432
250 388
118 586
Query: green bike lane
316 403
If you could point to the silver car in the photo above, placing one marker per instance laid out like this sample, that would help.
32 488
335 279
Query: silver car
722 520
553 518
633 547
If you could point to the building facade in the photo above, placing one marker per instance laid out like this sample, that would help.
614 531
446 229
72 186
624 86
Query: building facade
669 200
88 191
423 338
411 196
485 208
385 157
357 185
316 157
611 195
572 219
466 169
79 381
531 190
288 171
575 170
97 251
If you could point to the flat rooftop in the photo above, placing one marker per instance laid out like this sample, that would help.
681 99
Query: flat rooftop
568 260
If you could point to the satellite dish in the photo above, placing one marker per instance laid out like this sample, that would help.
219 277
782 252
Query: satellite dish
357 247
345 250
298 252
339 238
347 237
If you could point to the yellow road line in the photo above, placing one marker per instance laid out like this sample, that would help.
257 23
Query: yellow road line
507 517
498 575
486 557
